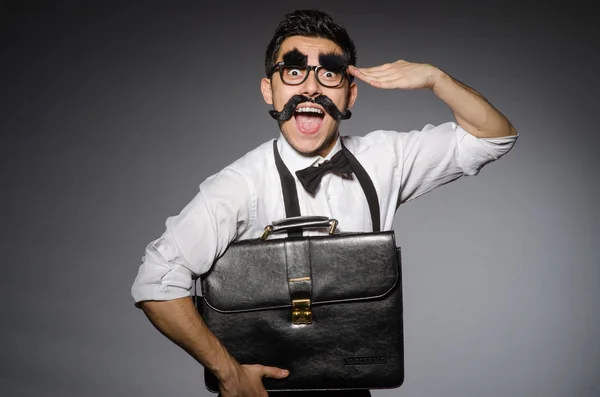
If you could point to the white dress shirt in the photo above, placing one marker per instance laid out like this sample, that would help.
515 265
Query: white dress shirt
240 200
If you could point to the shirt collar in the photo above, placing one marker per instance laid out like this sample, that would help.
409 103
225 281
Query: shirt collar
295 161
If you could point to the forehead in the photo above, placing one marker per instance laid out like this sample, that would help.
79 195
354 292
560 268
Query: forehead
309 46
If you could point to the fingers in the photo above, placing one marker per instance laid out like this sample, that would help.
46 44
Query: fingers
368 78
375 69
374 78
273 372
248 382
370 72
380 70
397 75
268 372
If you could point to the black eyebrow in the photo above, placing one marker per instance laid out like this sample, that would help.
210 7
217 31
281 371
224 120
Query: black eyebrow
295 58
332 61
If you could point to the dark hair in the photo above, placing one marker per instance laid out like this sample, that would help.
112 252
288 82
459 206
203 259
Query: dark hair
309 23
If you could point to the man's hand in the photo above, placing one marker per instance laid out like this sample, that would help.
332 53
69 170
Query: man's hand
472 111
246 380
179 320
400 74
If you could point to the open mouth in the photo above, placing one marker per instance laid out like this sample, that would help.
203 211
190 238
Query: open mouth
309 119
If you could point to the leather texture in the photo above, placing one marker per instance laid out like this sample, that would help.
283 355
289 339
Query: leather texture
354 282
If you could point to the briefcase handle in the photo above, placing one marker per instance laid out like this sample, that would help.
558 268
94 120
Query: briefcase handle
299 222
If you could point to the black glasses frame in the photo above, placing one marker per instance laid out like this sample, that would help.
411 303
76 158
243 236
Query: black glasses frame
308 68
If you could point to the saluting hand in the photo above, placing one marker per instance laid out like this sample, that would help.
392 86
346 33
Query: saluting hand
400 75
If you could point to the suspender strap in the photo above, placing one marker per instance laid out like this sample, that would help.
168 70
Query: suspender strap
290 194
288 186
368 188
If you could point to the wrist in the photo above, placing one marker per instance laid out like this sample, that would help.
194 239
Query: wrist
227 370
438 78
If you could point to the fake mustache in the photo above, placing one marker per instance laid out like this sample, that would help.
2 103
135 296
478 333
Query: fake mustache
290 107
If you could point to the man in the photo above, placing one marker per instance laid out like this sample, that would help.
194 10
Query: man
311 84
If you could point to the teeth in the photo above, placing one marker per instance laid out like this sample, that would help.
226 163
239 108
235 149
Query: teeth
309 110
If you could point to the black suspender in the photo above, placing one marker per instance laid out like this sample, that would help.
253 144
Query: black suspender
290 194
368 188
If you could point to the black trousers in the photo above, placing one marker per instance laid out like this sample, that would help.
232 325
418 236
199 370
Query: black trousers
333 393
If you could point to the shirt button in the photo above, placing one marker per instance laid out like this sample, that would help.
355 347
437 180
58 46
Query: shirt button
328 197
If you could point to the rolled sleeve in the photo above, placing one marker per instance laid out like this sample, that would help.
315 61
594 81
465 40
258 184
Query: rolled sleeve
437 155
162 274
195 238
474 153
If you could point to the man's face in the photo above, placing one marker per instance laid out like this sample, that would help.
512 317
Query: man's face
308 133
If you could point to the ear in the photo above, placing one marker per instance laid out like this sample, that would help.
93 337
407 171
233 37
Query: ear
352 94
267 90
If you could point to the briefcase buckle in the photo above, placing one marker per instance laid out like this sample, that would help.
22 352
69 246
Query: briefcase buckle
301 311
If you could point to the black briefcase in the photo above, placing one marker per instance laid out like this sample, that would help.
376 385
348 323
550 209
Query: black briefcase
327 308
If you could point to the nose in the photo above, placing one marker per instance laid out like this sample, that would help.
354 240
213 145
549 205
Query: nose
311 87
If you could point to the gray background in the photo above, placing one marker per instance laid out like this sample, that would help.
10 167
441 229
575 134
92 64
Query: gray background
112 114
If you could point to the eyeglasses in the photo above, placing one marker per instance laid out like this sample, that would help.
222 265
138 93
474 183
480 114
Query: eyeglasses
295 75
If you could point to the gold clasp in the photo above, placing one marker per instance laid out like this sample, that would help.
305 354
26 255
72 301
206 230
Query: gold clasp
301 311
333 225
266 232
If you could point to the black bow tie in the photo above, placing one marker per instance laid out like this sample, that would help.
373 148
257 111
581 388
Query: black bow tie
310 177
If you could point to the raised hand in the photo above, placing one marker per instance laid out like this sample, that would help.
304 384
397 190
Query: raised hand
399 75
